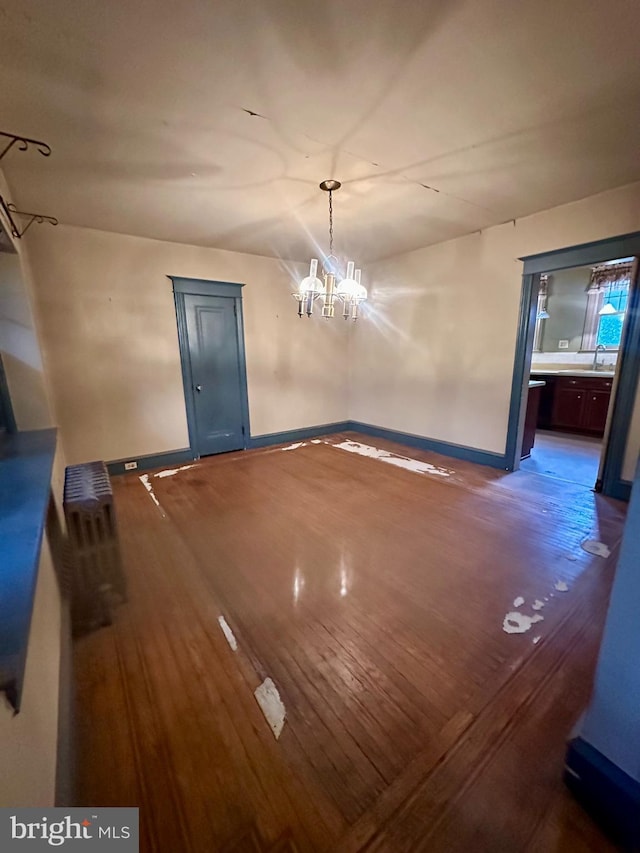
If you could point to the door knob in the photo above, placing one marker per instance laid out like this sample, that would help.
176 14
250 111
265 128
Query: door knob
198 388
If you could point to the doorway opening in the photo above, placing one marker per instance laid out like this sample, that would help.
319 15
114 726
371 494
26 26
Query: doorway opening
578 334
615 402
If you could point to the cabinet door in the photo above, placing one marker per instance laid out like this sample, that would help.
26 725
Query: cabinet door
595 410
568 406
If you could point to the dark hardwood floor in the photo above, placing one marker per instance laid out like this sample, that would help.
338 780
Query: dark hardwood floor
374 597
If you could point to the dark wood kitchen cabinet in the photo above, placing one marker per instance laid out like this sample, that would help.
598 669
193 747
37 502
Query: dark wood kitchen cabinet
568 407
596 409
531 419
575 403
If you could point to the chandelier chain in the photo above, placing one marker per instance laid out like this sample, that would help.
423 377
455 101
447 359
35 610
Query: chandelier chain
330 223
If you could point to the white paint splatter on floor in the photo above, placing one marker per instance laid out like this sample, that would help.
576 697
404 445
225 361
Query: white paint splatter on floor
144 479
592 546
561 586
393 458
518 602
271 704
295 446
519 623
537 604
170 472
226 630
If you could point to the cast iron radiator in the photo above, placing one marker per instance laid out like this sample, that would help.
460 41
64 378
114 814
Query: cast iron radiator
97 580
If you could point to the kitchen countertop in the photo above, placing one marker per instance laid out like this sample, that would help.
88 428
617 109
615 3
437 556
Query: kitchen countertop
536 383
606 374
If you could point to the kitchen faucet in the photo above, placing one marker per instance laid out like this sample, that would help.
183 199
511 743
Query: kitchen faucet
599 348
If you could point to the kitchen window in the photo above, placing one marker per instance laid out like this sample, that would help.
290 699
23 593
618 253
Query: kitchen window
607 298
610 325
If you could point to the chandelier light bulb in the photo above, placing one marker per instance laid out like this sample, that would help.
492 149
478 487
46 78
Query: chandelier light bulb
352 292
311 284
310 288
348 285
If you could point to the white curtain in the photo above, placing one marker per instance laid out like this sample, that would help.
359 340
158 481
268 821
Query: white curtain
595 298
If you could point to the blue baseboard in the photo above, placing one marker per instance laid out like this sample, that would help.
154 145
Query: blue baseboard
456 451
156 460
606 791
297 434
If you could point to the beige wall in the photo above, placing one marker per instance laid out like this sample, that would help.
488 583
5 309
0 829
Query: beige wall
435 355
109 330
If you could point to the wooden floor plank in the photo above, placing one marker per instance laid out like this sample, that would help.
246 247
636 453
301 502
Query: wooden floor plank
374 598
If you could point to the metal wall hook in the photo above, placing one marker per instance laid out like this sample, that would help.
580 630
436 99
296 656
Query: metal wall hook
23 142
10 211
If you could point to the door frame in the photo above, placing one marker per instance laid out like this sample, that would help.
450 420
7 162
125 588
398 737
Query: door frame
628 372
7 418
203 287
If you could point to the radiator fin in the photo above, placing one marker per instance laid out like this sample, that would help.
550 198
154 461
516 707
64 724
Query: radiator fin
97 582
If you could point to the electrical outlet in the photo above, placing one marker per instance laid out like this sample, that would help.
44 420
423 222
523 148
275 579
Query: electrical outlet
563 344
130 466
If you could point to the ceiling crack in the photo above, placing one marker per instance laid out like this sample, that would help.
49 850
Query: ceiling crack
252 113
398 172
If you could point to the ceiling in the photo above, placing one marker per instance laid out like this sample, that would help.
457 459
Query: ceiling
440 117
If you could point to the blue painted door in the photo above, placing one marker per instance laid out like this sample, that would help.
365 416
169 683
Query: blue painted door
216 375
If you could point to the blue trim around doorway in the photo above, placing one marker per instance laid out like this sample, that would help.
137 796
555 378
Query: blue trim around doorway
623 405
202 287
521 370
585 254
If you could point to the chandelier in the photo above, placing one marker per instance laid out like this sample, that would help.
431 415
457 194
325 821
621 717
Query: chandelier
349 290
